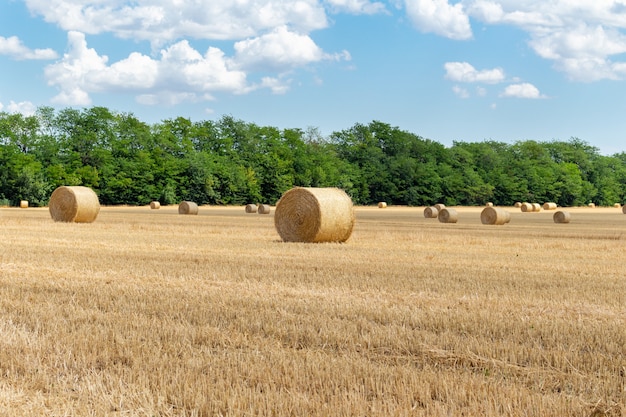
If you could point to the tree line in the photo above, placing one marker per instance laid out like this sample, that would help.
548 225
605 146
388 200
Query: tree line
230 161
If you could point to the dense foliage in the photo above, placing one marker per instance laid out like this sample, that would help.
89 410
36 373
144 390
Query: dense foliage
229 161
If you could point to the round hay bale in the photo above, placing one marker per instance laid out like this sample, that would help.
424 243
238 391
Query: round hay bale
155 205
23 204
264 209
624 209
431 212
536 207
526 207
307 214
251 208
489 204
74 204
448 215
382 204
440 206
561 217
187 207
591 205
517 204
493 215
617 205
549 206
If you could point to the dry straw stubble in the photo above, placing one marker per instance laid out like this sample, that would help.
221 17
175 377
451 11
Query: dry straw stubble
448 215
495 215
187 207
308 214
431 212
74 204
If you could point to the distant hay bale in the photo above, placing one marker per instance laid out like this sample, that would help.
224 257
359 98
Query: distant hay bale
382 204
251 208
493 215
591 205
561 217
617 205
23 204
549 206
431 212
264 209
526 207
448 215
536 207
489 204
517 205
187 207
440 206
74 204
307 214
155 205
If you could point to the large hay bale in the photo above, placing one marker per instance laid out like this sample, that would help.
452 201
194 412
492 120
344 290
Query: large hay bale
74 204
264 209
495 215
431 212
251 208
187 207
440 206
561 217
448 215
549 206
382 204
23 204
155 205
307 214
526 208
624 209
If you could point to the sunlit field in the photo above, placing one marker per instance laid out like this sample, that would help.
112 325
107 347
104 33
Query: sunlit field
151 313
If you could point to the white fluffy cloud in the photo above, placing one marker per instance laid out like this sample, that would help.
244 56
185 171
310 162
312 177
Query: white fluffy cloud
465 72
25 107
13 47
356 6
522 90
439 17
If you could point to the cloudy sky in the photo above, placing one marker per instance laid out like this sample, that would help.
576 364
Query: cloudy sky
468 70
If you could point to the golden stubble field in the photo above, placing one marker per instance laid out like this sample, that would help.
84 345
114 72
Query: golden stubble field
150 313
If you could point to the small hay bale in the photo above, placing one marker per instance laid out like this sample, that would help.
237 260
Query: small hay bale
517 205
264 209
155 205
440 206
308 214
74 204
493 215
549 206
591 205
448 215
617 205
526 208
251 208
536 207
561 217
489 204
23 204
382 204
431 212
187 207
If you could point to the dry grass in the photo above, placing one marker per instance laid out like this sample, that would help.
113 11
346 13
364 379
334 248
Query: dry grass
122 317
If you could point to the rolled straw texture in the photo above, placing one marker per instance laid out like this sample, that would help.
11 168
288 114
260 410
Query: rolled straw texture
264 209
251 208
23 204
307 214
617 205
536 207
440 206
187 207
517 205
382 204
624 209
489 204
155 205
494 215
526 207
448 215
549 206
431 212
561 217
74 204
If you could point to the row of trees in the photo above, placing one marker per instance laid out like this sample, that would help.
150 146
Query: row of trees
229 161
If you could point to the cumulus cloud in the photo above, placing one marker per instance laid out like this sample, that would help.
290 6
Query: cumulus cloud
522 90
465 72
356 6
13 47
25 107
439 17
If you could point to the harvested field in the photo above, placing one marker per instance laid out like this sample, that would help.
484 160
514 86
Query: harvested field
151 313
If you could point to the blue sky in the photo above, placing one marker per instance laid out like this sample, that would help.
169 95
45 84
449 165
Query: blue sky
469 70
